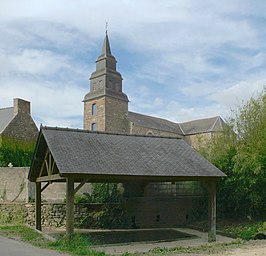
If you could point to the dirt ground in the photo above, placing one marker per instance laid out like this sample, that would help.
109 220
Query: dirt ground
252 248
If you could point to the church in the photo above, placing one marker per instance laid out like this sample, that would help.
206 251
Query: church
106 108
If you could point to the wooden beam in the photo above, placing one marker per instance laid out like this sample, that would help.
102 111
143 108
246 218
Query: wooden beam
70 207
45 186
38 207
80 185
44 162
211 211
54 177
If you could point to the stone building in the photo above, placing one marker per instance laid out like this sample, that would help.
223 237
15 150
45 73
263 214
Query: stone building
106 108
16 122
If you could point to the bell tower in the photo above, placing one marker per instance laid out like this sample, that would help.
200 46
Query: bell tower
106 106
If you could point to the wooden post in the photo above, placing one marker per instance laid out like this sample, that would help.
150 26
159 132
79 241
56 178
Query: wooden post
38 206
212 211
70 207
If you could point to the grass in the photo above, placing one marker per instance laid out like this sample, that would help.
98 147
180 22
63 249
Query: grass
245 231
79 245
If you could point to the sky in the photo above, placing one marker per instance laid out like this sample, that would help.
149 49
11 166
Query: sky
179 59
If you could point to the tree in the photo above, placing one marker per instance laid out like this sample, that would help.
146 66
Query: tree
240 152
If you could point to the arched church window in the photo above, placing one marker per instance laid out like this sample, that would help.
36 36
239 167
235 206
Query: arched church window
93 127
150 133
93 109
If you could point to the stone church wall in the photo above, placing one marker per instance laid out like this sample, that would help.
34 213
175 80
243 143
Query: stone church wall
99 118
198 140
135 129
116 115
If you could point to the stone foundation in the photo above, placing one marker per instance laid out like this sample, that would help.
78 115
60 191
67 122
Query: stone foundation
53 215
136 213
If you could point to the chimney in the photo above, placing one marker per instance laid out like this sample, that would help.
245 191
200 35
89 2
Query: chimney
21 106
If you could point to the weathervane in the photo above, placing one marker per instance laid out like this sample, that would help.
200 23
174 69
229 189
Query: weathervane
106 26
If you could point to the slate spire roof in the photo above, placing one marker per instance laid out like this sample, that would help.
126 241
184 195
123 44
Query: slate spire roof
106 50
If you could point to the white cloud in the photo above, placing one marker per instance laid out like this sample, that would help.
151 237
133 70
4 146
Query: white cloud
238 93
195 50
38 62
176 112
52 104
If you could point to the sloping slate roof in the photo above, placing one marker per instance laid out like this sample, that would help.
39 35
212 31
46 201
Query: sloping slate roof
187 128
154 123
6 115
203 125
83 152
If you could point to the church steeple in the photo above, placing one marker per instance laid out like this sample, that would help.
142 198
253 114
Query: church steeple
106 106
106 59
106 80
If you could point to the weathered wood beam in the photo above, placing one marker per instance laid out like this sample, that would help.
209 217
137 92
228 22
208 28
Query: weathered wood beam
70 207
45 186
38 206
211 211
54 177
80 185
44 162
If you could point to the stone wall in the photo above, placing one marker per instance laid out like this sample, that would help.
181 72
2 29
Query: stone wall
198 141
111 115
22 126
99 118
116 111
15 187
138 213
54 215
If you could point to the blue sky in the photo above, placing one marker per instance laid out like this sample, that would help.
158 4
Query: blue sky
179 59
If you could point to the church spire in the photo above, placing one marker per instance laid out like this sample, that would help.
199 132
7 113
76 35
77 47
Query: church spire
106 80
106 50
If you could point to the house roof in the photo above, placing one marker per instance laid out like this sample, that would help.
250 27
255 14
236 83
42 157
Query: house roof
187 128
104 156
6 116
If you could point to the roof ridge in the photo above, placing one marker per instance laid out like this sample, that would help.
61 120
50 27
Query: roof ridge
154 117
181 128
6 108
100 132
205 118
214 123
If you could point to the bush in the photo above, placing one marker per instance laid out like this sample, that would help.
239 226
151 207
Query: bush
18 153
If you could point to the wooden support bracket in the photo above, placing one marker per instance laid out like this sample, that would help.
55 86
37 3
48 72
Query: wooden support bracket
80 185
